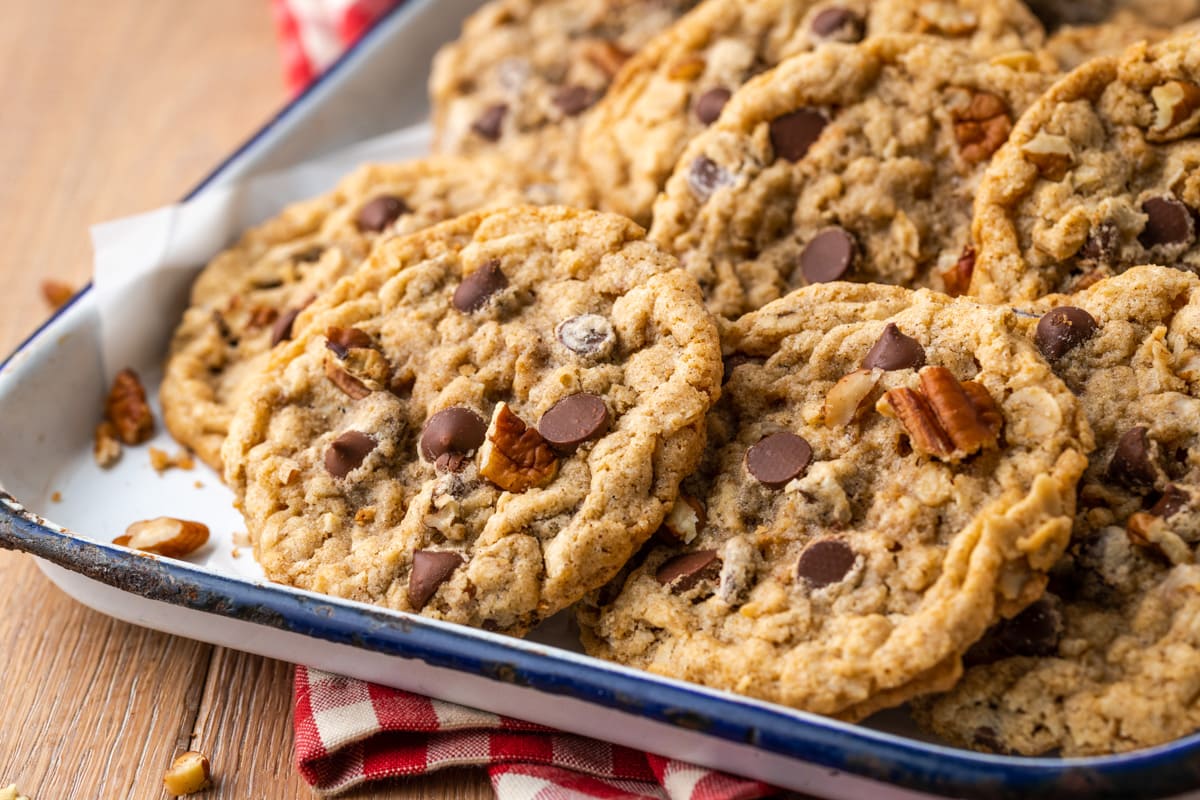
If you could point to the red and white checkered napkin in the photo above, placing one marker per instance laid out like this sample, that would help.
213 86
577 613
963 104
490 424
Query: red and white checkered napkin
349 731
313 33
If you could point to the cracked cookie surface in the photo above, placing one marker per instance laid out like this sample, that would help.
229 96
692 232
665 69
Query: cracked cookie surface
832 557
1101 174
853 161
246 299
483 422
676 86
524 72
1109 660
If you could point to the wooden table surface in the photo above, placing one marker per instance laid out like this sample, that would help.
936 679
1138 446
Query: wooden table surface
111 108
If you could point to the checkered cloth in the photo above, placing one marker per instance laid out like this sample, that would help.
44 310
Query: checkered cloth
348 732
313 33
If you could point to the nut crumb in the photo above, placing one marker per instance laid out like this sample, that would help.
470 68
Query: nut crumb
364 516
106 447
236 552
161 461
56 497
199 484
56 293
189 773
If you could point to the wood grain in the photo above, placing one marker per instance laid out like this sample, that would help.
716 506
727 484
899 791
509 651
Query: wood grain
109 109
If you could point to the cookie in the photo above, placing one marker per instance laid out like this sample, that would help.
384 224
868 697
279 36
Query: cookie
1109 660
888 472
1101 174
246 300
852 162
677 85
524 72
1072 45
483 422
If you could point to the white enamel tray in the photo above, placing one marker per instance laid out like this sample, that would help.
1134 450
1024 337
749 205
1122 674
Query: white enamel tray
57 505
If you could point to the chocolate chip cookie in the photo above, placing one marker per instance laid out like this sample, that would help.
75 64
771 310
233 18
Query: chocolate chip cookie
852 162
888 472
1101 174
523 72
483 422
678 84
1109 660
246 300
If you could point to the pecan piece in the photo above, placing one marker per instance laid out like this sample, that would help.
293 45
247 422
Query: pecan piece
684 521
514 456
1175 107
106 447
982 127
56 293
947 418
849 396
1051 154
354 364
957 279
605 55
127 410
165 536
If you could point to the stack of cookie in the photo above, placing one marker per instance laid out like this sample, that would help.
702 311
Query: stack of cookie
898 399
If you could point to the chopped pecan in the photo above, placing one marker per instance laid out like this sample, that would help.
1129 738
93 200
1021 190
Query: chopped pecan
165 536
947 418
849 396
261 317
1051 154
1175 107
345 381
606 55
354 364
127 410
684 522
946 19
106 447
982 127
56 293
957 279
515 457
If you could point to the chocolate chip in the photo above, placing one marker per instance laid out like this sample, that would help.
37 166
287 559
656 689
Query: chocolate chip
792 134
894 350
824 562
347 452
309 254
430 569
778 458
380 212
1034 632
572 100
452 430
450 462
1134 464
710 104
490 122
587 335
342 340
1063 328
1169 222
1173 501
828 256
478 287
574 420
839 25
683 572
705 176
1101 245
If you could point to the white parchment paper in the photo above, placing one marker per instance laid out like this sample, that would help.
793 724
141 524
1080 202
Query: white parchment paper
144 265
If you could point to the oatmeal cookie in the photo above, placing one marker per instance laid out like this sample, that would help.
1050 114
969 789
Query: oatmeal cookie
678 84
853 161
483 422
1101 174
1109 660
523 72
246 300
888 472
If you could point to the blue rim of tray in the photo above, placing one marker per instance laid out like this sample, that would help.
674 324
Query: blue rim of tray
1157 772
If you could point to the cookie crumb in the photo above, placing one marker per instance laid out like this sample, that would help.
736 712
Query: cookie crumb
56 497
163 462
56 293
199 484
